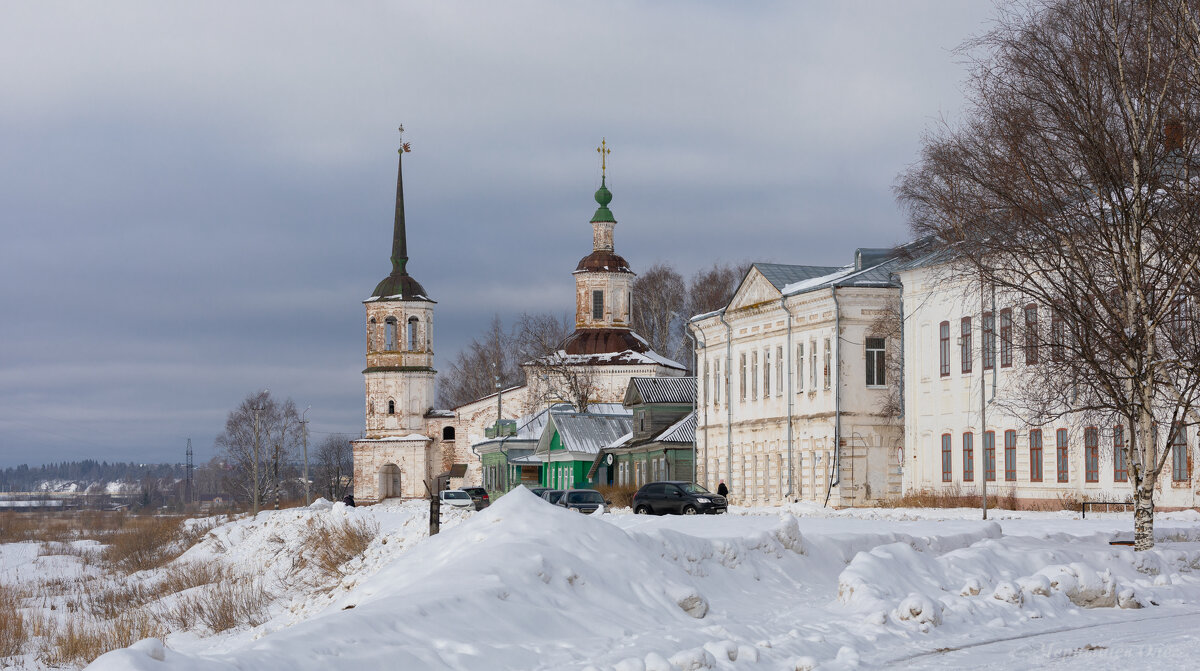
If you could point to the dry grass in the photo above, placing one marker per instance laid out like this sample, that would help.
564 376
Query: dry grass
231 603
145 543
329 545
13 633
78 642
621 497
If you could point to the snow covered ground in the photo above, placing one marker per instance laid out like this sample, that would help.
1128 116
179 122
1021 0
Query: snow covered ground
524 585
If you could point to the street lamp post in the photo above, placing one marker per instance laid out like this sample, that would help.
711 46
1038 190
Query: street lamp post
304 423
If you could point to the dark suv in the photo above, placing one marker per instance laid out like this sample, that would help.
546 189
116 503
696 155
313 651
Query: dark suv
479 495
683 498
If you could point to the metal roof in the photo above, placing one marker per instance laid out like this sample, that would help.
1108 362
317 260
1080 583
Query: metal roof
660 390
585 432
683 431
780 275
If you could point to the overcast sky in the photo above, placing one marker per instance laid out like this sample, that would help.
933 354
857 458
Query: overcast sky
196 197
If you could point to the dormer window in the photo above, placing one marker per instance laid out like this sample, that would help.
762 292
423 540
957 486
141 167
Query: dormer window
597 305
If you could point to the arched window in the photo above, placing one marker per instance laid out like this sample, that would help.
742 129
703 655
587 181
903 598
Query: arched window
371 335
413 337
391 407
448 433
389 334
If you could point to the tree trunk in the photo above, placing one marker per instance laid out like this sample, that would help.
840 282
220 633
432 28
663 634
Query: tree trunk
1143 515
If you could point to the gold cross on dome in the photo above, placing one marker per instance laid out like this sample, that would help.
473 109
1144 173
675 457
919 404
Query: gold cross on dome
604 151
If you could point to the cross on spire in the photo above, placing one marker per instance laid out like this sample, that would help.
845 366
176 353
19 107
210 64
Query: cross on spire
404 146
604 151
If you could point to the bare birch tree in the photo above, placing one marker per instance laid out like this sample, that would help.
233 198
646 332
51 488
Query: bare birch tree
1070 189
559 376
659 295
270 428
473 372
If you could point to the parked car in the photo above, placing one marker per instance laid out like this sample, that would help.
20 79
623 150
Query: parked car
479 495
583 500
538 491
457 498
678 497
552 495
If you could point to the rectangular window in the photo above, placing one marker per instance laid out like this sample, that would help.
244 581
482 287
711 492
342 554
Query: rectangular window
1120 459
875 362
779 371
1035 455
946 458
742 381
968 457
766 373
1006 339
718 382
944 348
1010 456
597 305
828 364
989 341
989 456
706 369
754 375
1179 461
1058 337
812 360
1061 451
1031 334
799 368
964 345
1091 454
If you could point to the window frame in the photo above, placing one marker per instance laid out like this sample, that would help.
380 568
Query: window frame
947 469
1031 334
989 456
1036 455
597 305
968 456
1006 339
828 364
1180 468
876 359
1120 459
1091 454
1010 456
964 346
988 340
944 348
1062 448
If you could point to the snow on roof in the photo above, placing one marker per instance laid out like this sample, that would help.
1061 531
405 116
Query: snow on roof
814 282
661 390
411 436
585 432
683 431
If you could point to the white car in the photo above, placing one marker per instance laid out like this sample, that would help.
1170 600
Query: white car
457 498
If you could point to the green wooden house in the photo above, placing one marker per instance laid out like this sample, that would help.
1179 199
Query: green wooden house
571 441
661 444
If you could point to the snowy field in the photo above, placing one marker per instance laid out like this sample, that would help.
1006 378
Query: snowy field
524 585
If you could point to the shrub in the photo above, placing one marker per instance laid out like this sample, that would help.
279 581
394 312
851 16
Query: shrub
621 496
333 543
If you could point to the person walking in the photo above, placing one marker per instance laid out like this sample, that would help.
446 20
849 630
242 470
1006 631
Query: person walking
722 489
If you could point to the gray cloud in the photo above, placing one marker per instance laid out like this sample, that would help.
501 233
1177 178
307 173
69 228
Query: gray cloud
196 197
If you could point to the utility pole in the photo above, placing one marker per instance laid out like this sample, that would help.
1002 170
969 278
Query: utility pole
984 346
255 473
187 494
304 423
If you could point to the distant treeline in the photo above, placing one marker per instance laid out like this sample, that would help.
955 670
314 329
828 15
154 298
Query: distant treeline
26 478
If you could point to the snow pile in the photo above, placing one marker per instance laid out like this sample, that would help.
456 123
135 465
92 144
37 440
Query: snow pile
524 584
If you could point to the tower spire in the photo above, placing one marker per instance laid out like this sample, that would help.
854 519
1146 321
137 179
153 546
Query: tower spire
399 285
399 241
